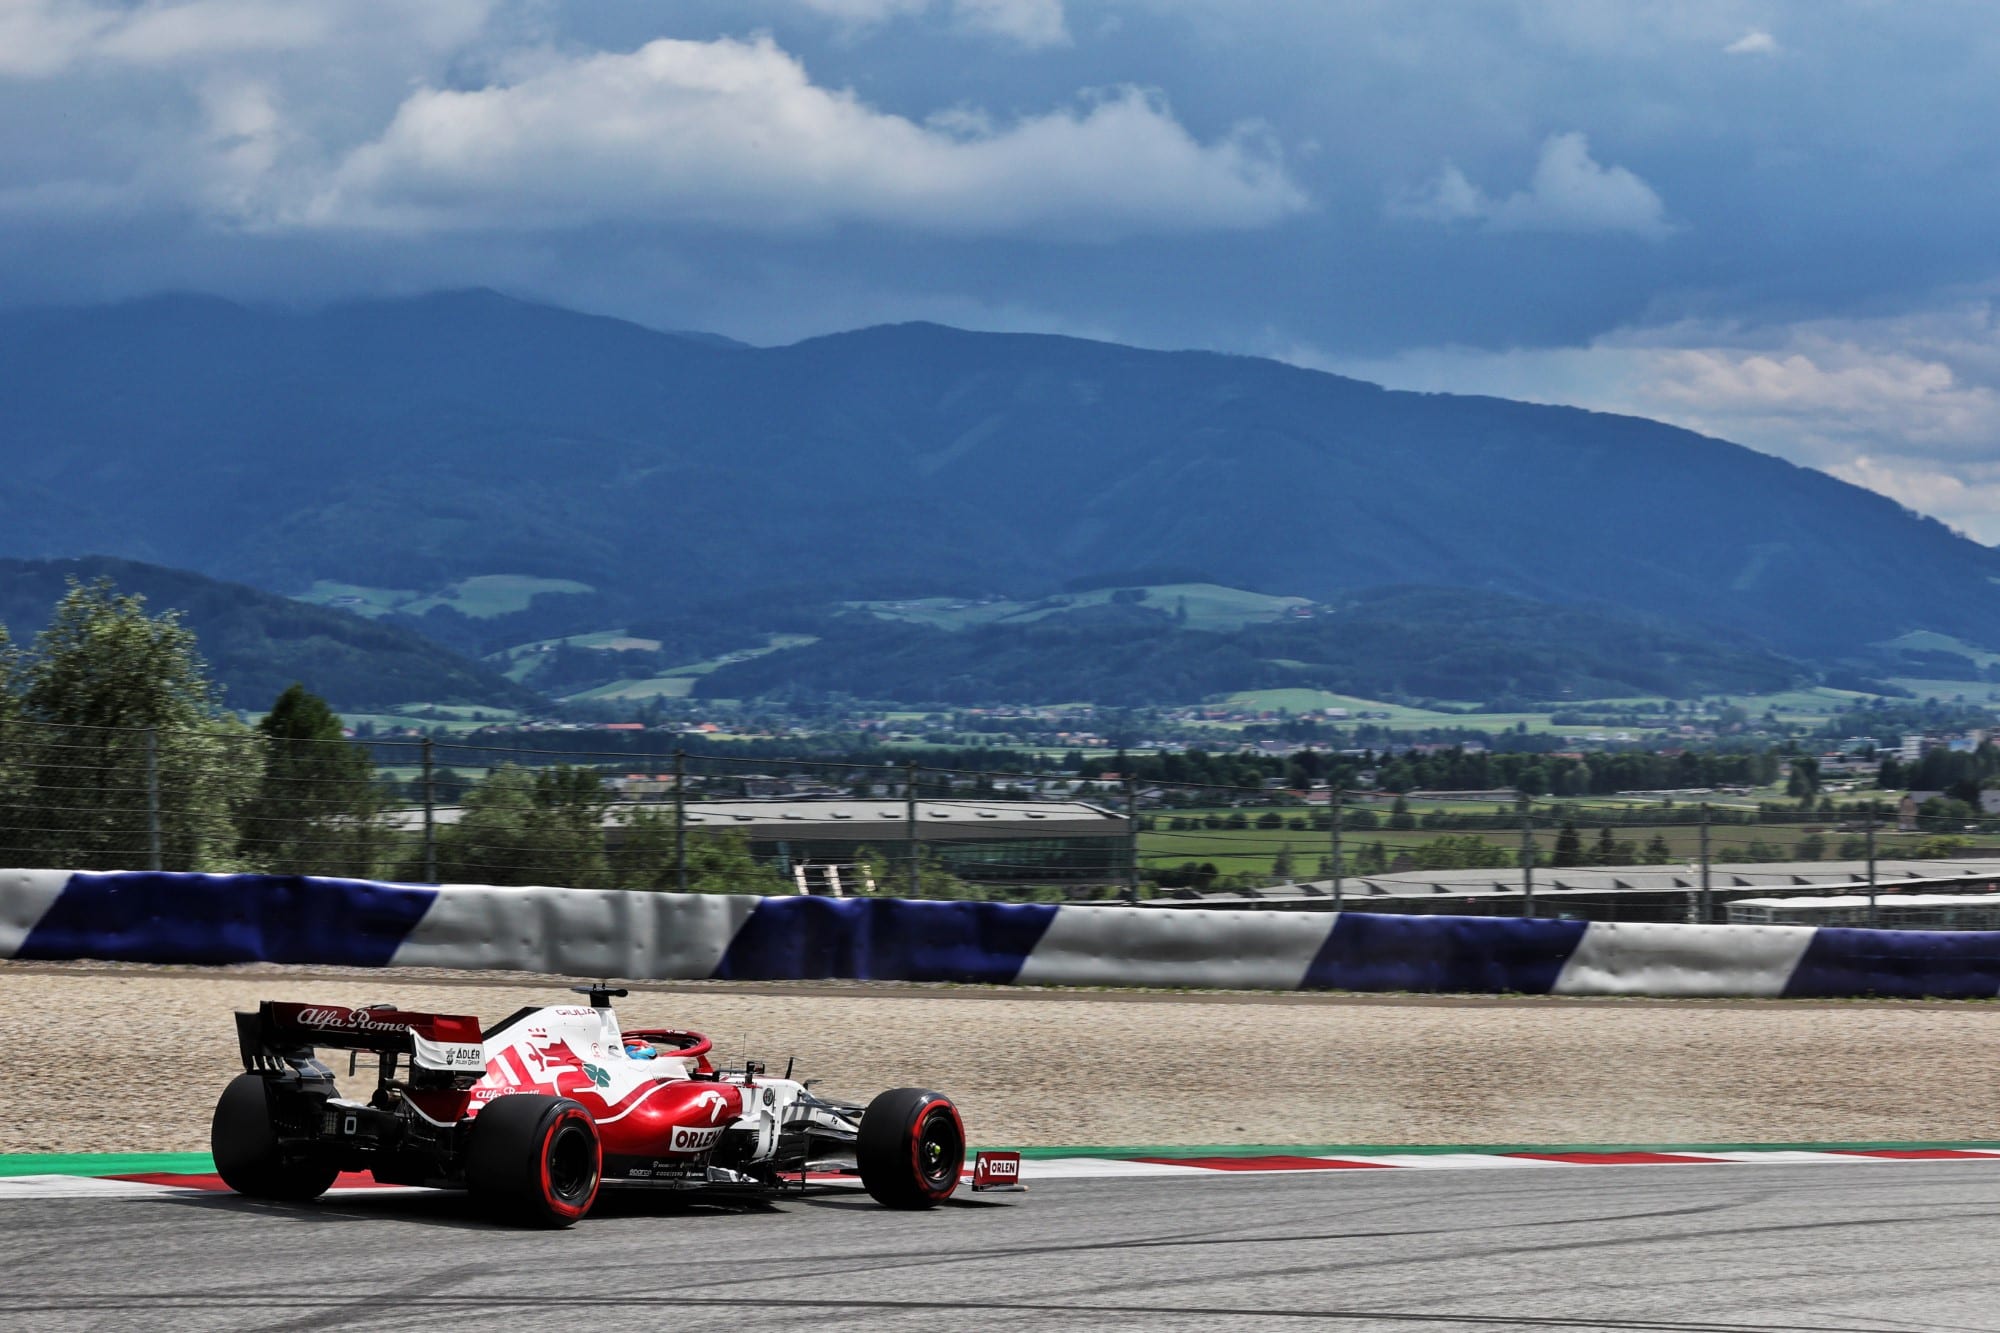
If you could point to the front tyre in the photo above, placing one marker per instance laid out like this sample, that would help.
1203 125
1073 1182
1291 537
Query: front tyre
534 1160
244 1143
911 1148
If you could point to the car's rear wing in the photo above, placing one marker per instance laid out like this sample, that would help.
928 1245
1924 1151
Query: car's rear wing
280 1032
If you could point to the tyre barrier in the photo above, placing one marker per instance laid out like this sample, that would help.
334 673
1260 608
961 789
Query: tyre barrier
152 917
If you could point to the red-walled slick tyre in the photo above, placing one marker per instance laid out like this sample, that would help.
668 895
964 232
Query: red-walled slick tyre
534 1160
911 1148
244 1144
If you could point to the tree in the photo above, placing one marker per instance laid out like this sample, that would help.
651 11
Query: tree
642 856
1399 814
1803 784
1464 851
317 807
126 720
1282 863
1812 847
544 826
892 874
1569 847
1658 852
1605 853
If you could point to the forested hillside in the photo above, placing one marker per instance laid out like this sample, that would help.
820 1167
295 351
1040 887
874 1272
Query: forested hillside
1447 644
257 643
405 444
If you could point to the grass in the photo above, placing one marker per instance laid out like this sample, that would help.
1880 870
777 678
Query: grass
453 718
679 682
1924 640
487 595
482 596
651 687
355 597
1209 606
1972 691
519 662
1235 851
1804 705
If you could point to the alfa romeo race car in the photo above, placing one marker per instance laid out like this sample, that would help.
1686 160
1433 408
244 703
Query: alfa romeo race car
538 1112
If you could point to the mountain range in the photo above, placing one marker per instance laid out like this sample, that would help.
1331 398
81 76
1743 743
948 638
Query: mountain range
423 443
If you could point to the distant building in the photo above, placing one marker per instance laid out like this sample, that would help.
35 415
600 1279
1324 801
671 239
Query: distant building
1906 813
992 841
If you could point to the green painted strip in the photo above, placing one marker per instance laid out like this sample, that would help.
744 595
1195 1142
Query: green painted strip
1377 1149
105 1163
200 1163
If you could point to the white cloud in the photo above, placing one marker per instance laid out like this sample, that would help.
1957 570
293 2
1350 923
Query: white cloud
1032 23
736 133
1908 405
1448 197
1569 192
1966 504
39 38
1755 42
1029 22
1829 396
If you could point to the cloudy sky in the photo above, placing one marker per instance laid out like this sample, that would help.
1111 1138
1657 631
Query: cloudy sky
1772 220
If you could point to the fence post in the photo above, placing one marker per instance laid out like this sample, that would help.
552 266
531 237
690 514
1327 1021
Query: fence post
1131 842
680 819
154 861
1339 872
1874 914
1528 858
430 815
1706 912
910 824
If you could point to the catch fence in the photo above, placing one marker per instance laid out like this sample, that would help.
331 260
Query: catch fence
653 815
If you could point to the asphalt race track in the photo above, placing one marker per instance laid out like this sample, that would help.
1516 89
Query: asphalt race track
1881 1247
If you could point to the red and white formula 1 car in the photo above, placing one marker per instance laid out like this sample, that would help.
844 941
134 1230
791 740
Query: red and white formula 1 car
536 1113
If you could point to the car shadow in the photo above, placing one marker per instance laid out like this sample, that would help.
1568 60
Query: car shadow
455 1210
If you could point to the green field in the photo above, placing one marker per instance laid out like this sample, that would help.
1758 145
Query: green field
651 687
1235 851
679 682
355 597
1924 640
482 597
1971 691
447 717
519 662
1810 705
1209 606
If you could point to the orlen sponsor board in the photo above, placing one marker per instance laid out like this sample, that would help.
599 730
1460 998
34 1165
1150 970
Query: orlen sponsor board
996 1171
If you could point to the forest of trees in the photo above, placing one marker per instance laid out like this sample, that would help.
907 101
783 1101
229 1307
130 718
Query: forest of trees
1386 643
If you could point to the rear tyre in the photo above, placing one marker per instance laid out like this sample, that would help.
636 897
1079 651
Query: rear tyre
244 1142
911 1148
534 1160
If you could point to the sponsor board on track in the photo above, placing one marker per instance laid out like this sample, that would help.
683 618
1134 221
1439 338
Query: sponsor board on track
997 1171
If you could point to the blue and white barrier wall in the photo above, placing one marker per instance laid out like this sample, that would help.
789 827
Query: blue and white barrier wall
135 916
